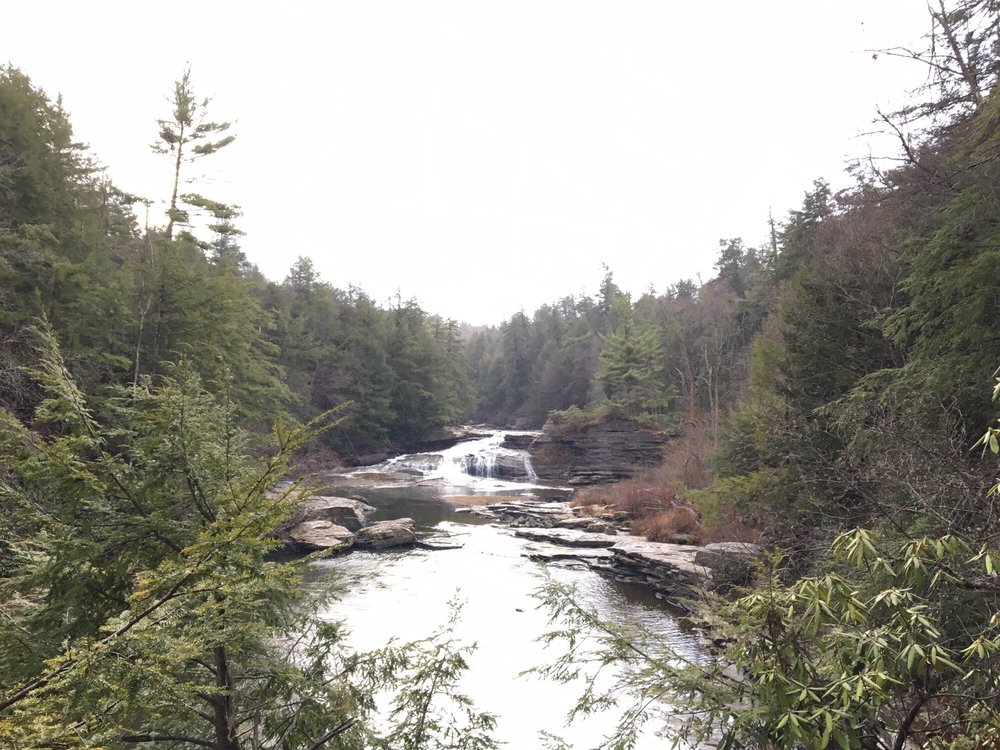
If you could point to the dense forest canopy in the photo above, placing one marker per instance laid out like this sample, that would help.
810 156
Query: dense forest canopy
835 378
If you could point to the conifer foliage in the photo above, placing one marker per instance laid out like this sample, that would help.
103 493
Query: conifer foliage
138 602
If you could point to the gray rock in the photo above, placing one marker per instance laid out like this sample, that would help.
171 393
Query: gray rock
368 459
511 466
601 527
567 537
320 534
383 534
342 511
422 462
519 441
596 453
439 542
730 562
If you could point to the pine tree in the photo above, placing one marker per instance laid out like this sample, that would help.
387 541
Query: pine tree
631 363
186 136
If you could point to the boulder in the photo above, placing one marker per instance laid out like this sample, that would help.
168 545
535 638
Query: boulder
383 534
342 511
730 562
320 534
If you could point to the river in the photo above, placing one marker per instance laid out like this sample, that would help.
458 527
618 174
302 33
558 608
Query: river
406 594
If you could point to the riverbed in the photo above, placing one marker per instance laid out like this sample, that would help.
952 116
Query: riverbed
406 595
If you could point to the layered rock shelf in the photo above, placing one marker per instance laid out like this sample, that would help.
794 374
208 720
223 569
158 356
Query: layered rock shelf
670 570
596 453
677 573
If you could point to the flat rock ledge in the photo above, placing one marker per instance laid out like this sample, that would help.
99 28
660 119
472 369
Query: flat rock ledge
670 570
677 573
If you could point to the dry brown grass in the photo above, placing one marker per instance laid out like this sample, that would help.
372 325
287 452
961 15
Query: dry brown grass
679 523
732 526
649 503
685 461
637 497
650 498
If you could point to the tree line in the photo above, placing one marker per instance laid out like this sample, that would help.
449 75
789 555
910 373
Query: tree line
839 375
127 301
853 435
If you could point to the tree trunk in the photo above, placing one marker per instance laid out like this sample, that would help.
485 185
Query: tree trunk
224 711
171 212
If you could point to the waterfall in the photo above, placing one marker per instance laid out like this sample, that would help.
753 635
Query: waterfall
484 463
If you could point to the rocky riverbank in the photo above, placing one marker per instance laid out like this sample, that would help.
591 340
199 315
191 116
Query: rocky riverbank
677 573
557 533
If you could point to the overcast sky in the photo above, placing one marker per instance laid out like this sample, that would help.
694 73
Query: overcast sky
483 155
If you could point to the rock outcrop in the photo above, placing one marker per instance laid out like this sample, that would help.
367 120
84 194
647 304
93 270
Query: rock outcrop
519 440
606 451
568 537
342 511
319 534
383 534
670 570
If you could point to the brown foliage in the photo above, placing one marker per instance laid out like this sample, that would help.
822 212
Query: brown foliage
668 525
636 497
732 526
685 462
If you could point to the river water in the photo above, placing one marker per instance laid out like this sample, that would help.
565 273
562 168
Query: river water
406 594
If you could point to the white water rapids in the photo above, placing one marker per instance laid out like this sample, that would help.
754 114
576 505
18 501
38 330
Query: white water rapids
482 464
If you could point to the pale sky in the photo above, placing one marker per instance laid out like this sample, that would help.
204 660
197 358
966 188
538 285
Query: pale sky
483 156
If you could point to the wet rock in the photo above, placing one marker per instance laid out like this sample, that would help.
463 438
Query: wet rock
568 537
510 466
553 553
519 441
368 459
421 462
342 511
383 534
670 570
319 534
439 542
529 512
446 438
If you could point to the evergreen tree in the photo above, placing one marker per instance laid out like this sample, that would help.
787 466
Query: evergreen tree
139 605
186 136
630 365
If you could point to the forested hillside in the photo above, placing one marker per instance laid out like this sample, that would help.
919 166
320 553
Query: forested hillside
838 383
127 302
831 386
141 368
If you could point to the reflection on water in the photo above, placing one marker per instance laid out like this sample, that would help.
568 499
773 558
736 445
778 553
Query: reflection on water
406 594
